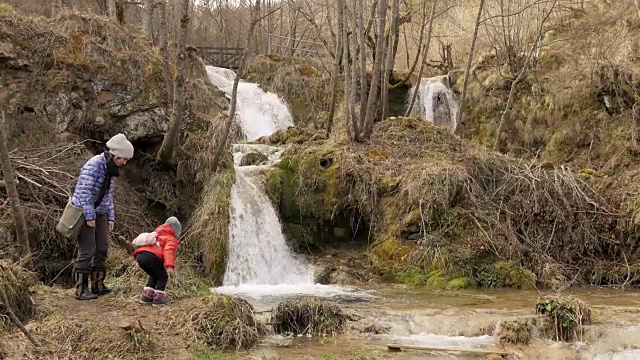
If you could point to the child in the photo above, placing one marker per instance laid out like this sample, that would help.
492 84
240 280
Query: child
158 260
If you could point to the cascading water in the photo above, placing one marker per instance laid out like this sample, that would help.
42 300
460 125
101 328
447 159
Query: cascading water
260 262
259 113
436 102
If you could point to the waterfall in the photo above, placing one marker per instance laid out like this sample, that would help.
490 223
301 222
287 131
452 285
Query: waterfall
436 102
259 113
258 252
259 261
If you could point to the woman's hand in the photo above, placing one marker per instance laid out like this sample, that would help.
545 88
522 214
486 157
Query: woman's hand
111 225
91 223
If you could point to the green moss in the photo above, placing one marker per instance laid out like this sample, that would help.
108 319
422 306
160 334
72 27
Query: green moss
437 279
463 282
506 274
410 275
253 158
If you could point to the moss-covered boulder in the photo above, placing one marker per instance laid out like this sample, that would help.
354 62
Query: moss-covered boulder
253 158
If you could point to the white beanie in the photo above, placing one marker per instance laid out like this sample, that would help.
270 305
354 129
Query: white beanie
121 147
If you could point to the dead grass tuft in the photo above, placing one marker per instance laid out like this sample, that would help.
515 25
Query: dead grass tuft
517 331
223 322
15 282
208 234
564 317
308 316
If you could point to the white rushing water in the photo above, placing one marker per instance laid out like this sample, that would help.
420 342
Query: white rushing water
259 113
260 263
436 102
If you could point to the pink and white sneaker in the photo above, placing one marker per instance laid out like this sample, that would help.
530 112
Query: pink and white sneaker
148 295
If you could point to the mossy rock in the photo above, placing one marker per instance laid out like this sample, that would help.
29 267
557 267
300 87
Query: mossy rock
517 331
253 158
459 283
506 274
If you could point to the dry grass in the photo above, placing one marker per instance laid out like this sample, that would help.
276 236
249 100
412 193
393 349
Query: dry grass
64 337
438 202
303 83
222 322
565 317
517 331
15 282
308 316
208 234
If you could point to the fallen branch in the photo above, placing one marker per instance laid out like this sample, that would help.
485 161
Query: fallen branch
15 320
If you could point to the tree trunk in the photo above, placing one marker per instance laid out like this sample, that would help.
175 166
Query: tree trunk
336 73
168 149
363 64
121 6
424 58
354 70
147 18
222 142
164 45
388 66
111 8
104 7
637 6
468 68
22 248
346 69
377 69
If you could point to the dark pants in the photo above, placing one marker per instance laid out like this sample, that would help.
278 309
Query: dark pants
93 244
154 267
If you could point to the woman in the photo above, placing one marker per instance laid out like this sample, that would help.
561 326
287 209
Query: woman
94 194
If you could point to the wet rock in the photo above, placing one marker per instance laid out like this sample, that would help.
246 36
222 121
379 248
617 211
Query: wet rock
253 158
323 275
375 329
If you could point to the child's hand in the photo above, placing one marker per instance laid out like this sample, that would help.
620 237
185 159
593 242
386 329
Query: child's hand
170 270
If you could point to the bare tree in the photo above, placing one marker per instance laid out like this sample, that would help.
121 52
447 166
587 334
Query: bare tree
348 88
22 248
336 71
388 66
164 45
521 74
638 6
469 60
168 149
147 18
362 57
234 92
377 70
354 71
424 58
111 8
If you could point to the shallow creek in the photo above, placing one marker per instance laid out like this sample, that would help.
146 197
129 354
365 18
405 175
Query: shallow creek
461 319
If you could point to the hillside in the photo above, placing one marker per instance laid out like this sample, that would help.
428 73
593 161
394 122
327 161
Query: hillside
69 84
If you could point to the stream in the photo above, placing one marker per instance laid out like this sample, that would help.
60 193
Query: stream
464 319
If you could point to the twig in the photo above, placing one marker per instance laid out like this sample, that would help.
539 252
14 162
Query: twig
15 320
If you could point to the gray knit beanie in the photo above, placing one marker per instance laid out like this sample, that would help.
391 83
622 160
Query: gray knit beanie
120 146
175 225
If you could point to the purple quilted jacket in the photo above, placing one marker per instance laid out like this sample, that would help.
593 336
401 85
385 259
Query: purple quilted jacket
90 180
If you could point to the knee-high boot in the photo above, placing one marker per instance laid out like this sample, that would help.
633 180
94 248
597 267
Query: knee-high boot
97 282
82 286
